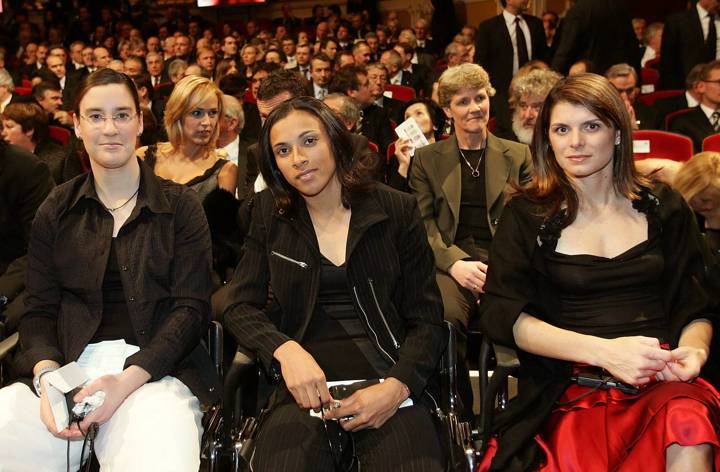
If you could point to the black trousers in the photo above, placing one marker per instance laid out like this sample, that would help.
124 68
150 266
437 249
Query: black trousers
291 440
460 306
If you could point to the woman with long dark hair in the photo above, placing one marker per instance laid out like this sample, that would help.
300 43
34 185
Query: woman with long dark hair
355 298
598 280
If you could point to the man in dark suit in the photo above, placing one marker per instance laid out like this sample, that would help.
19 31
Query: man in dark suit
690 99
393 62
624 78
425 44
155 67
704 120
7 91
420 73
353 82
504 44
320 74
302 56
68 83
599 31
25 182
378 80
689 38
348 110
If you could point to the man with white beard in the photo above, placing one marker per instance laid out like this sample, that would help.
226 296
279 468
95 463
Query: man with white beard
527 94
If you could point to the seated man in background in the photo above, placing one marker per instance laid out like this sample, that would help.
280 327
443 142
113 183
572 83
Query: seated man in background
348 110
624 78
24 183
527 94
49 96
704 120
26 125
690 99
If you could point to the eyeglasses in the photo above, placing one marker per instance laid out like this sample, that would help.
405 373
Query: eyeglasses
716 81
120 118
342 445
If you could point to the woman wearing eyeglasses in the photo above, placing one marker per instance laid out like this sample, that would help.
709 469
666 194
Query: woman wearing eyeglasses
355 298
119 281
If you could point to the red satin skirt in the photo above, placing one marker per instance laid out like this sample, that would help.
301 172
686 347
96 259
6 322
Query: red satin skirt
608 430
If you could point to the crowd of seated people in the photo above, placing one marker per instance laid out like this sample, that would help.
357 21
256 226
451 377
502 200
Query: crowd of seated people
201 95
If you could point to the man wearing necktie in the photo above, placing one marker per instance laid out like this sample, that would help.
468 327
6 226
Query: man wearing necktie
689 38
505 43
703 120
320 75
302 54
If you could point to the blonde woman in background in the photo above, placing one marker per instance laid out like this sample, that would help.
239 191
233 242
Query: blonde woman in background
191 123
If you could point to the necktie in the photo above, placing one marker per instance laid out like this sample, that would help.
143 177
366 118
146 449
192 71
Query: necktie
522 50
711 41
305 72
715 120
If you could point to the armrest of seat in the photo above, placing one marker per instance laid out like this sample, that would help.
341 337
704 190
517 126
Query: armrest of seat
8 344
215 345
506 357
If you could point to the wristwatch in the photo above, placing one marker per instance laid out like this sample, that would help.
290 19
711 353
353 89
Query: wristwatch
38 377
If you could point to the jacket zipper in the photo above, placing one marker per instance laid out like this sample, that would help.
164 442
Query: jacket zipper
382 316
367 320
302 264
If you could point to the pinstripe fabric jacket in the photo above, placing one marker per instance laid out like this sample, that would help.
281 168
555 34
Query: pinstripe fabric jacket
390 272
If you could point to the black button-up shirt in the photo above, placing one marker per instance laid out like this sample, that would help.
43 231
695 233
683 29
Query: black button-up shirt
165 250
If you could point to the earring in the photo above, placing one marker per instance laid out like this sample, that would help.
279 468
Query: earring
617 139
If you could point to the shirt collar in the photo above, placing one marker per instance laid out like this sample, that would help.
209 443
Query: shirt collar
701 11
692 103
150 194
707 110
232 150
5 102
510 18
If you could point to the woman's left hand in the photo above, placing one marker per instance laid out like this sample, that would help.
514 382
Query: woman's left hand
370 407
116 388
115 394
685 365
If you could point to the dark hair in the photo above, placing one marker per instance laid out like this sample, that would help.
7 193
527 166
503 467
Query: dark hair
709 67
551 187
105 76
143 80
346 79
279 81
279 52
39 89
407 48
325 41
30 116
437 115
233 84
321 56
354 176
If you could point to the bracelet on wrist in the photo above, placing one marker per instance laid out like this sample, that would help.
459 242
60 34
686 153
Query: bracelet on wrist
38 377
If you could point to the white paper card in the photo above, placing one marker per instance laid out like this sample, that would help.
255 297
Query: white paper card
641 146
59 382
105 358
647 88
409 129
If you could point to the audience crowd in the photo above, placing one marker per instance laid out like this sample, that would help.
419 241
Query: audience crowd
205 91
